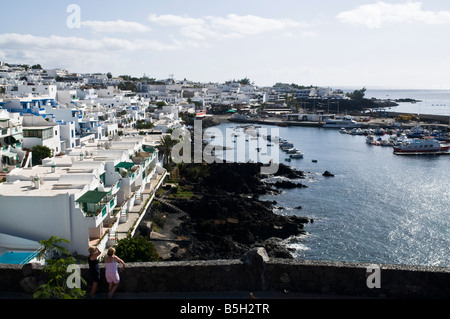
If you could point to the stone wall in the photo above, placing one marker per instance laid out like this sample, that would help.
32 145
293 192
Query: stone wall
256 272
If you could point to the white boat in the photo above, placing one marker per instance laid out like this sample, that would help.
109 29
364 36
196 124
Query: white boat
345 122
370 139
420 146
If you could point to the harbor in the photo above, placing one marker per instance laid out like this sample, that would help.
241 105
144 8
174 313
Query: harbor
370 208
430 120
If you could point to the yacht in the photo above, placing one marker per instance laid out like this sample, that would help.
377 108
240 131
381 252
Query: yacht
345 122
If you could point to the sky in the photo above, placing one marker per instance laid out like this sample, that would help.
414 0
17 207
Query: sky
346 43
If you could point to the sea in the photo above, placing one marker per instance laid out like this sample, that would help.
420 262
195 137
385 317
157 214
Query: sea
378 207
436 102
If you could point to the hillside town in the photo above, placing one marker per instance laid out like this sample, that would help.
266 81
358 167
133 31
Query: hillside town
79 152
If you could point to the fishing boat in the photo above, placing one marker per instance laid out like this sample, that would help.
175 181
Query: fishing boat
297 154
286 145
291 150
370 139
420 146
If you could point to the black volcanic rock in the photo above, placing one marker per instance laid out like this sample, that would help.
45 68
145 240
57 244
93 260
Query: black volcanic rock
327 174
225 218
288 184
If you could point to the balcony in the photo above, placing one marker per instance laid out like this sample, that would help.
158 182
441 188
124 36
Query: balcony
97 204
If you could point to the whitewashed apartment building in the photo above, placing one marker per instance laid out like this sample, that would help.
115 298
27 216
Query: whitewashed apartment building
83 196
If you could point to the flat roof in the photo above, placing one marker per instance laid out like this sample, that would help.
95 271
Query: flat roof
47 189
28 128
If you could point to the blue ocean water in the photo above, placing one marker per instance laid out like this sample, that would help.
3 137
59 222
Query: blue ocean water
435 102
378 208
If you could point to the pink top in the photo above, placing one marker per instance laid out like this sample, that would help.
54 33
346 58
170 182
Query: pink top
111 267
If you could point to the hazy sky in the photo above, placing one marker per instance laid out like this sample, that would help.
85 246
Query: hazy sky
367 43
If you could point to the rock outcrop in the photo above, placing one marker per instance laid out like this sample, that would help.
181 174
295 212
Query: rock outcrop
225 217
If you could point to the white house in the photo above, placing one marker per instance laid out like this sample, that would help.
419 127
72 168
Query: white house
37 131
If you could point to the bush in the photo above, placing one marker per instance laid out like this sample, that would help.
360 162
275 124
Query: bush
159 218
136 249
39 153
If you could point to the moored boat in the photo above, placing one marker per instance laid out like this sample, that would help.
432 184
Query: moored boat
421 146
297 154
345 122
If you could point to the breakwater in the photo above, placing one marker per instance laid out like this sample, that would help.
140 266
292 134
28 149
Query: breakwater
436 121
255 271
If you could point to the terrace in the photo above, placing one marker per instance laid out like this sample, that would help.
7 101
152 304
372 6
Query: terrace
94 203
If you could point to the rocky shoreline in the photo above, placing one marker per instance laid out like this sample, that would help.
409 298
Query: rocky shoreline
224 217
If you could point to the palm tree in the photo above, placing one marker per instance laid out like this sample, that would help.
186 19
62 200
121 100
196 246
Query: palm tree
166 143
52 246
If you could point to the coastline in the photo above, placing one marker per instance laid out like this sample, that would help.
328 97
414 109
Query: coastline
174 241
425 120
224 217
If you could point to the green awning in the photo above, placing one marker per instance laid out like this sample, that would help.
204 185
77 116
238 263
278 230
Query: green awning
148 149
125 165
92 197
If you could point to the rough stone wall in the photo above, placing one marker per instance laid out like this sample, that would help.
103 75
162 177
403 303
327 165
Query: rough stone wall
256 272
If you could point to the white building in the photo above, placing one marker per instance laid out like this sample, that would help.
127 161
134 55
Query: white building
37 131
83 197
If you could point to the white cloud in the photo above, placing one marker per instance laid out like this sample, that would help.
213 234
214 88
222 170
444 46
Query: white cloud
14 41
375 15
118 26
169 20
76 52
230 26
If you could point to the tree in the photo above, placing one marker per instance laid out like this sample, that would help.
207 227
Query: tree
136 249
57 260
144 125
52 246
357 95
39 153
127 86
244 81
166 143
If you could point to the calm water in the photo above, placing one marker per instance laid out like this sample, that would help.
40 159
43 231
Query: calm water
431 101
379 208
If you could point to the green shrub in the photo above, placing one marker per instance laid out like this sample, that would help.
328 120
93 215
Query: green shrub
136 249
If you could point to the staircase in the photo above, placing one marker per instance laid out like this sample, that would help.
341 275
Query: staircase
170 205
